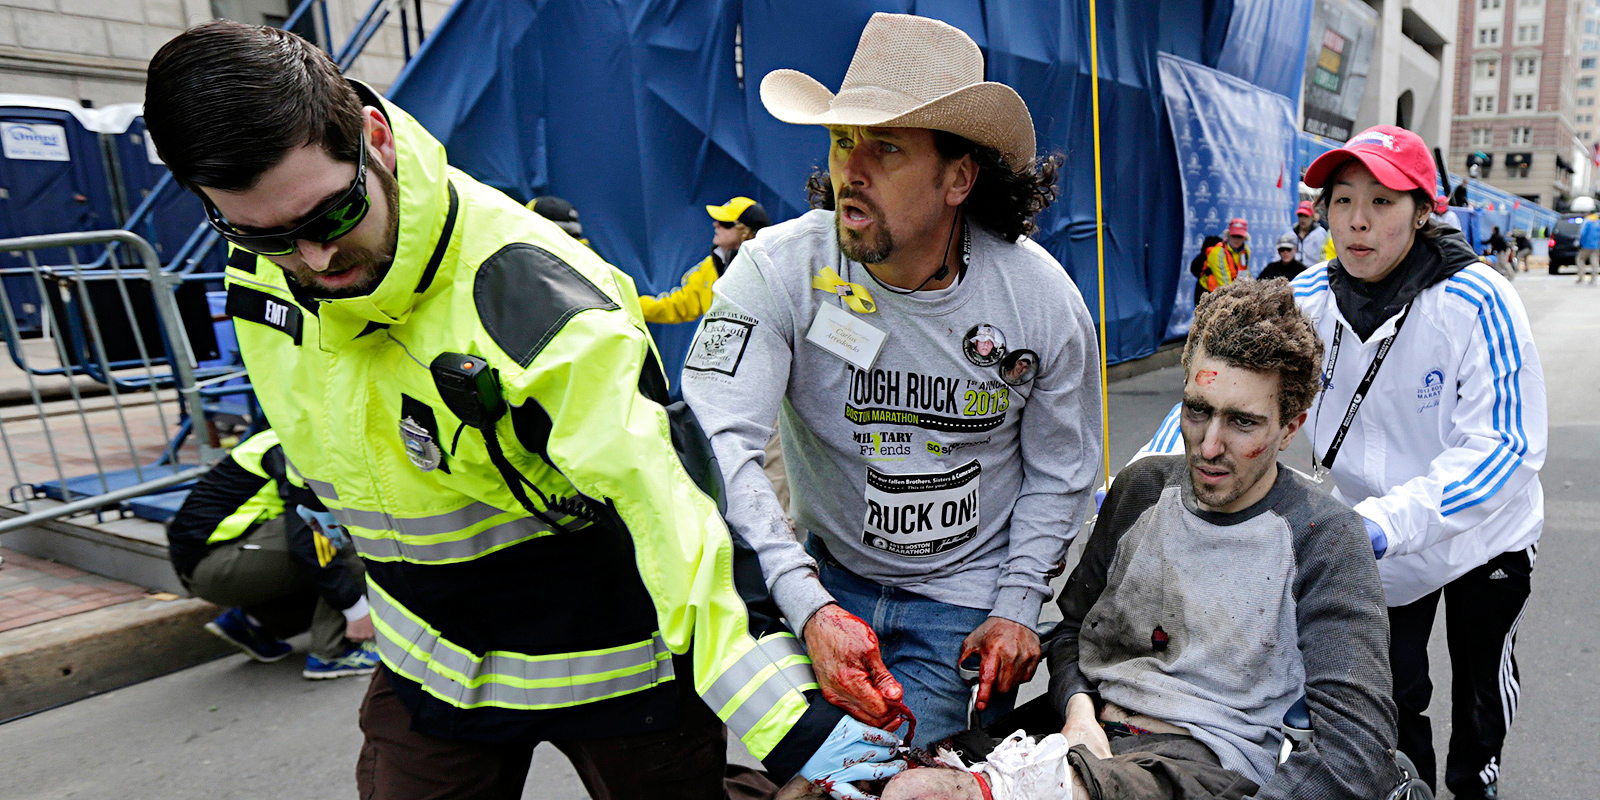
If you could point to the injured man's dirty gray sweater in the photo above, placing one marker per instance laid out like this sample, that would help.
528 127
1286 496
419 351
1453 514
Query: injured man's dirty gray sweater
1218 622
958 466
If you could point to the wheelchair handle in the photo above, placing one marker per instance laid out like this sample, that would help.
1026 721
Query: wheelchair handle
970 668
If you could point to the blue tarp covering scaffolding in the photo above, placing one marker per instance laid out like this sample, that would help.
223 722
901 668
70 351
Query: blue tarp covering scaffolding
637 113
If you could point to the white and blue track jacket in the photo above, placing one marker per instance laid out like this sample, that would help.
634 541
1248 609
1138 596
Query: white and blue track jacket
1446 450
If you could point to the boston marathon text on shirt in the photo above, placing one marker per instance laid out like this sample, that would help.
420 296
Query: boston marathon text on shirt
931 402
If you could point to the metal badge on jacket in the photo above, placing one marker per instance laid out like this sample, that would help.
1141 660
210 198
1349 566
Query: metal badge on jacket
420 447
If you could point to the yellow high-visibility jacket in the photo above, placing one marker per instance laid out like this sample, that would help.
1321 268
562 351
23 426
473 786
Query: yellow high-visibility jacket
492 622
1224 266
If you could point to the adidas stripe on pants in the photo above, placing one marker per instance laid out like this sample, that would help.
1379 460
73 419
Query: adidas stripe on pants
1482 611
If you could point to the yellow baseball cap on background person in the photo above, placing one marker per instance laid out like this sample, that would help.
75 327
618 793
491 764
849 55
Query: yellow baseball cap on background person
741 209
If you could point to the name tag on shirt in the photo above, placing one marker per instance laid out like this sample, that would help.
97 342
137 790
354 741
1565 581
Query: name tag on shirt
847 336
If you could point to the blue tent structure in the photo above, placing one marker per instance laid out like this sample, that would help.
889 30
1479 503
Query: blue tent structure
53 173
641 113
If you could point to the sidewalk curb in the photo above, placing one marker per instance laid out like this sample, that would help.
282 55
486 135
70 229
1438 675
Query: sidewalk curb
1165 356
55 662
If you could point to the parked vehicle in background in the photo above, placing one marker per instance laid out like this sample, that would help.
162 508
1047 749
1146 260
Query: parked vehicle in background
1564 244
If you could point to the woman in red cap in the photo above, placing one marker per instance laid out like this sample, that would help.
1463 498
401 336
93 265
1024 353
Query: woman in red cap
1431 423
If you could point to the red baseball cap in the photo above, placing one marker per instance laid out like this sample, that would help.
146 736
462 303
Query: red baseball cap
1397 157
1440 205
1238 226
1305 209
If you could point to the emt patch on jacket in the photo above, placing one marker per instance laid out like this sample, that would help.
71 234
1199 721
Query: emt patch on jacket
259 307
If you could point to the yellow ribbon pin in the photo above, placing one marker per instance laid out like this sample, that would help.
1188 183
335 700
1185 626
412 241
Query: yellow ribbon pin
854 295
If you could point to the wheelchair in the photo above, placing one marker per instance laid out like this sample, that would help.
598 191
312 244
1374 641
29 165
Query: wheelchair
1296 729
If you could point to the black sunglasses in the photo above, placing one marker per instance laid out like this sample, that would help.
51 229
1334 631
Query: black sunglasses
337 218
727 226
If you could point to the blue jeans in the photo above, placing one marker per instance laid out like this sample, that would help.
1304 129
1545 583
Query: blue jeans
921 643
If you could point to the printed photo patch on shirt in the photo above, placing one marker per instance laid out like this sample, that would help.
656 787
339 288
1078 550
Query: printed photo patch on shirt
922 515
984 345
719 346
1019 367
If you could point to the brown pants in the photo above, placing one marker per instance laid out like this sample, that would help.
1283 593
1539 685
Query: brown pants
1158 766
689 762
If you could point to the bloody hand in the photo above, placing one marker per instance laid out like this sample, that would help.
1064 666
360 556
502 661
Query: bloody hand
1010 653
849 667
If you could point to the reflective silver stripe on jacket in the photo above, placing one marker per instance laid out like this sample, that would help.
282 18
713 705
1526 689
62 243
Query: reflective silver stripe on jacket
431 525
457 676
321 489
483 542
794 674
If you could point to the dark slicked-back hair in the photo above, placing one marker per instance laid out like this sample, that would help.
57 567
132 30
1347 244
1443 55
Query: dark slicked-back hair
1255 325
1003 200
225 102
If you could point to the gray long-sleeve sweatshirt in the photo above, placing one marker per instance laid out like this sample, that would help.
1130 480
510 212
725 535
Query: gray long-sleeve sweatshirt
931 471
1253 608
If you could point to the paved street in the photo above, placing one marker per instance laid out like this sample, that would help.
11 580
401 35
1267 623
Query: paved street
233 728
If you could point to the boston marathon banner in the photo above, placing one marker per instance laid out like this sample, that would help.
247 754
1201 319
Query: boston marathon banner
1236 158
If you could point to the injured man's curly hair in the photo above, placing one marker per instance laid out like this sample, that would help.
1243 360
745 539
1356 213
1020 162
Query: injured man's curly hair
1255 325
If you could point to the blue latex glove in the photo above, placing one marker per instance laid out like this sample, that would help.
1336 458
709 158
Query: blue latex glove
854 751
1380 540
324 523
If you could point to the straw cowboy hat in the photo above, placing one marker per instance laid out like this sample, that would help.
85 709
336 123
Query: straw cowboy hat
911 72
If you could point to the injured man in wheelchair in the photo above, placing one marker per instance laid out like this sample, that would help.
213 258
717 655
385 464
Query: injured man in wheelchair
1216 590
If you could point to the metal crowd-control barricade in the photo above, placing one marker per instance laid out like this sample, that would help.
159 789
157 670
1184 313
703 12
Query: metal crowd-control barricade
117 399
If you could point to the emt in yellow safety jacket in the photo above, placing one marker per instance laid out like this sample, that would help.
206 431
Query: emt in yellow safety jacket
733 224
473 394
1228 259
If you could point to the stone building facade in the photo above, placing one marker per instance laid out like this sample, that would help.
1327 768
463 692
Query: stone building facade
97 50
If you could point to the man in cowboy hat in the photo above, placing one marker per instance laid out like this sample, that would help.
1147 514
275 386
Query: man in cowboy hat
936 373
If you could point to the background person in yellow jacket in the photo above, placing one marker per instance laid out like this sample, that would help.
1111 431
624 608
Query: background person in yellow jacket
734 223
557 574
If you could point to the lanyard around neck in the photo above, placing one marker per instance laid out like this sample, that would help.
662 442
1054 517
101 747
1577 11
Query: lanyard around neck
1322 468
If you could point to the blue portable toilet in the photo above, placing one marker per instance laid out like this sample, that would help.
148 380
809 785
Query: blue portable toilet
175 215
52 180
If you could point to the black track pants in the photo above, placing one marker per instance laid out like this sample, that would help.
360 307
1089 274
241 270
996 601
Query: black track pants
1482 611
